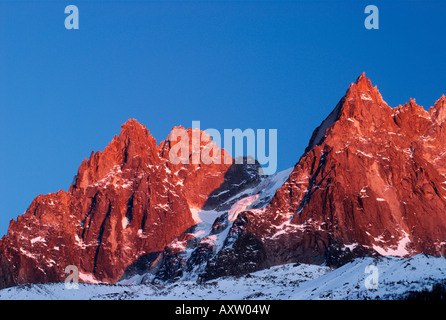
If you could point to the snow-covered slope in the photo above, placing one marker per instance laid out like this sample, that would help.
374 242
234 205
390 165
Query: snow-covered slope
397 277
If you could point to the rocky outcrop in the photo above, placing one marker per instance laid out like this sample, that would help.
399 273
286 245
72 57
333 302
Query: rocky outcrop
372 181
125 202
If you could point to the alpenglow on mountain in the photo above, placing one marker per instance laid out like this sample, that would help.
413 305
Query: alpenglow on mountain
372 182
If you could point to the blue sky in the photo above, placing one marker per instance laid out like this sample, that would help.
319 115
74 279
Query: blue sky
229 64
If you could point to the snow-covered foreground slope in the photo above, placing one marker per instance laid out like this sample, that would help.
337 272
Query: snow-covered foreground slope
397 277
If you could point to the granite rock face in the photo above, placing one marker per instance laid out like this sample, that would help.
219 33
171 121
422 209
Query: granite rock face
125 202
372 181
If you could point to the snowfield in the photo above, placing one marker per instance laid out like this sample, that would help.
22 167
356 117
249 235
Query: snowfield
396 278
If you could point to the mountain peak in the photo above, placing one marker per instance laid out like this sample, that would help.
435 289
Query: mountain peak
412 102
361 101
364 90
131 122
438 111
441 101
132 125
363 82
133 131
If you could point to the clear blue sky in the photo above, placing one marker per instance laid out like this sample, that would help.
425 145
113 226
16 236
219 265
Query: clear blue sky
230 64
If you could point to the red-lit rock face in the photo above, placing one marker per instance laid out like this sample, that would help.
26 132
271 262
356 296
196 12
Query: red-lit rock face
372 181
125 202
